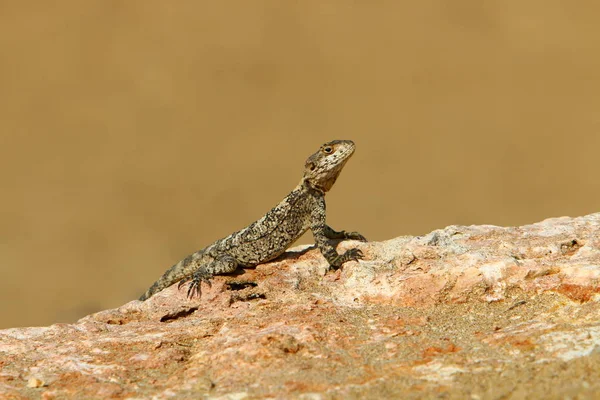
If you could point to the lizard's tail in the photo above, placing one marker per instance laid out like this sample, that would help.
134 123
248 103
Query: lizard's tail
174 274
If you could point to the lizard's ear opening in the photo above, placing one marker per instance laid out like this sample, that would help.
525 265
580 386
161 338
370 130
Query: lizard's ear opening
310 165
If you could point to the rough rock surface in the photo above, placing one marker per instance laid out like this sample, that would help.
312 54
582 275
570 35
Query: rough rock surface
476 312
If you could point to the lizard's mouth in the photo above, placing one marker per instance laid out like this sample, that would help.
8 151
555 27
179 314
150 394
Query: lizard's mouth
344 149
346 153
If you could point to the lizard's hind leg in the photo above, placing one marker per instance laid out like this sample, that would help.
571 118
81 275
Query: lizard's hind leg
222 265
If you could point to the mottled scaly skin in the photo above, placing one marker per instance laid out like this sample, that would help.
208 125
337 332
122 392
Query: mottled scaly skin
270 236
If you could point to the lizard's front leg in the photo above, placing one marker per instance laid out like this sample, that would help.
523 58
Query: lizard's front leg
220 265
322 233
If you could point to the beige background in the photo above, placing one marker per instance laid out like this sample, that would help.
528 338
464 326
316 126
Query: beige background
133 133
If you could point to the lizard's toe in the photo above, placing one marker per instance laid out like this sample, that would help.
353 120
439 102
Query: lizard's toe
356 236
193 289
181 283
353 254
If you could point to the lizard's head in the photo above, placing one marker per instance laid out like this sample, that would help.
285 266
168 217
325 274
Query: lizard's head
322 168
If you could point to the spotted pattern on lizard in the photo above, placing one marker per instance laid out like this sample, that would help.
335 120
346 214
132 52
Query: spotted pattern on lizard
269 237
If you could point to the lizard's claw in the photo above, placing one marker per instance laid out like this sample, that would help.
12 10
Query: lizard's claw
355 236
195 288
353 255
349 255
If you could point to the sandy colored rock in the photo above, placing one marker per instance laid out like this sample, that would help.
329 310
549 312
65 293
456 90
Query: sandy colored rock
479 312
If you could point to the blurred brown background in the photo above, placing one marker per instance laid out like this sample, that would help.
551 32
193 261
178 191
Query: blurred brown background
133 133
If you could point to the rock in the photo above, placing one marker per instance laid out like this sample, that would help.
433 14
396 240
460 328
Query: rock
476 312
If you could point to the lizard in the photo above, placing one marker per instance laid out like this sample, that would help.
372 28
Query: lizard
269 237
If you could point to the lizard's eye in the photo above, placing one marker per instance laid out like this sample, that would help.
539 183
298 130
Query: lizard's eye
327 149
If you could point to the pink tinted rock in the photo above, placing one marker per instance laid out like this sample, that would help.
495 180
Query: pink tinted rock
463 312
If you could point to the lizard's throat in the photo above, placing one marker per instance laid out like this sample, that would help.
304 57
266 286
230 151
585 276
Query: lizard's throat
324 183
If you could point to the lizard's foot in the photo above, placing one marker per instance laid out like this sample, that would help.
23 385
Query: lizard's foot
352 255
195 288
349 255
355 236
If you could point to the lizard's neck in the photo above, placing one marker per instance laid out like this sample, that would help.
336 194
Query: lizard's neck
311 187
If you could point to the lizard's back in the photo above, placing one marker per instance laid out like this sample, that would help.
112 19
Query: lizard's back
271 235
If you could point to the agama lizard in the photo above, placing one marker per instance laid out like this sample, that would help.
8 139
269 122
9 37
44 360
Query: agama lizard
270 236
